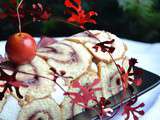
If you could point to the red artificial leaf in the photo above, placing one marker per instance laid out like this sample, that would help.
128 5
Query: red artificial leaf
69 4
86 93
10 81
39 13
102 104
45 41
3 15
138 82
128 109
78 14
135 73
45 15
132 62
102 46
9 9
14 2
60 74
126 75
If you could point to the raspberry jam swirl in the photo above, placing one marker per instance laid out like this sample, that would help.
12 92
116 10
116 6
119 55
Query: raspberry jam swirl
59 52
41 115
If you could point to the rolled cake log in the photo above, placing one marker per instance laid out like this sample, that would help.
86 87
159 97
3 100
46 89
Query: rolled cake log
78 60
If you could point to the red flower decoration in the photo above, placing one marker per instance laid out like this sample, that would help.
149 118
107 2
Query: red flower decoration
102 106
10 80
126 75
9 10
37 11
3 15
102 46
78 14
59 74
86 93
128 109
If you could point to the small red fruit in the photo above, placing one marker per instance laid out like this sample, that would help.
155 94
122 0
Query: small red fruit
21 48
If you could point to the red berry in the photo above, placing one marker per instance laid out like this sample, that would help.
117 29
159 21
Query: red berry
21 48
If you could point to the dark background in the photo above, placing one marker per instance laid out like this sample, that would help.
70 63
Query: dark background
133 19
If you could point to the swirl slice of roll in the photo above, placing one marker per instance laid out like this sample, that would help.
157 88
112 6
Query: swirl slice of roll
71 57
38 87
90 41
84 37
42 109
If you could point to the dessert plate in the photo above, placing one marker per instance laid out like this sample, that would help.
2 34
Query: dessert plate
150 80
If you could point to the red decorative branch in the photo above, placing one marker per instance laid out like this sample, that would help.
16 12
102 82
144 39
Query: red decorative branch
86 93
10 81
128 75
129 109
102 46
37 11
78 14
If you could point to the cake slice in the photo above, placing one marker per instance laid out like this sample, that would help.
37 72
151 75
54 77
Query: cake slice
41 109
38 87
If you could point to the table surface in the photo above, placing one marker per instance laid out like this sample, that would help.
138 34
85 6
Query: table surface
148 56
